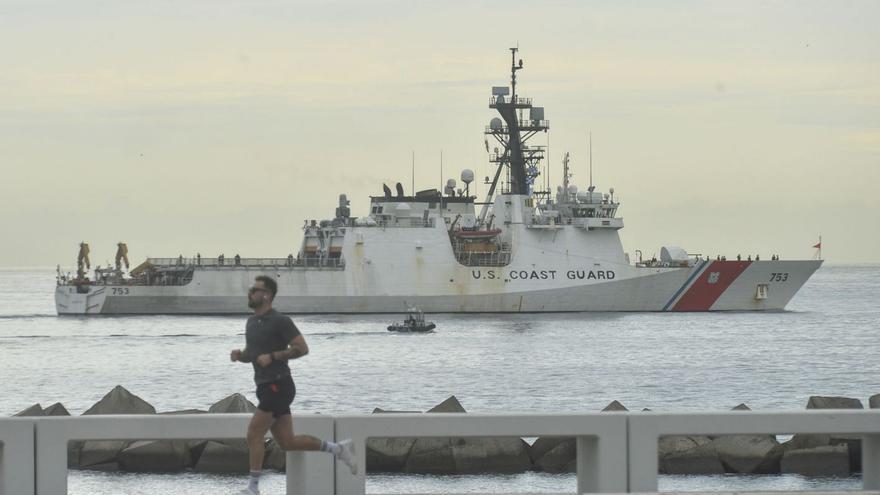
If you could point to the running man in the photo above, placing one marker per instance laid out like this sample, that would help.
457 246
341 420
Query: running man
272 339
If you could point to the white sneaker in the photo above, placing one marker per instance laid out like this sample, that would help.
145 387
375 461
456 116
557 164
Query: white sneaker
348 455
249 491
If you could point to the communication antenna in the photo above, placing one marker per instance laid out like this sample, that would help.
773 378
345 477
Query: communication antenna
441 170
413 173
547 181
565 174
591 160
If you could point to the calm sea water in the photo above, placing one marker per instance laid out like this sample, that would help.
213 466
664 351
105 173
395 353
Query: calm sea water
827 343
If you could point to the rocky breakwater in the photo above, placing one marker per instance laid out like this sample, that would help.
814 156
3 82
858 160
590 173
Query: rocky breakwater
447 455
811 455
158 456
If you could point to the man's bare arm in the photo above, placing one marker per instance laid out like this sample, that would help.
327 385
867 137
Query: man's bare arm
240 355
296 349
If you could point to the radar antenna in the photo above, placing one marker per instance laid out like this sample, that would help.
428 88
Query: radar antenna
512 132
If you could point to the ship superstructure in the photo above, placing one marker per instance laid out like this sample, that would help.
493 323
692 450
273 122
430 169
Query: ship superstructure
517 250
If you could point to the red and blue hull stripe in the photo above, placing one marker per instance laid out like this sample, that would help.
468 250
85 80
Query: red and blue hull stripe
700 291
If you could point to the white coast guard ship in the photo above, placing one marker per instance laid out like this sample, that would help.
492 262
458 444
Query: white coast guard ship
519 250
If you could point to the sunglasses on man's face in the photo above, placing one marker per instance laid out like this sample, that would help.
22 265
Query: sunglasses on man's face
256 289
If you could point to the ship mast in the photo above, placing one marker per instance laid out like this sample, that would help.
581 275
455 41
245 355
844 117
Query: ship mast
513 133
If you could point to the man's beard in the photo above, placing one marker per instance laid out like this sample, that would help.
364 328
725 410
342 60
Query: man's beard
254 303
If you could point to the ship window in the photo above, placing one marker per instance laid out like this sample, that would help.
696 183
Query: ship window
379 209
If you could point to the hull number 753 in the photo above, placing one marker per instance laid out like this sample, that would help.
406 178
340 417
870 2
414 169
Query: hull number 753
778 277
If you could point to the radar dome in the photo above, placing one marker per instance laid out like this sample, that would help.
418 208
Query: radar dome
467 176
450 183
495 123
583 196
572 189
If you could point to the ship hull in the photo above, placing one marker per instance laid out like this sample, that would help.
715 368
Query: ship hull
706 286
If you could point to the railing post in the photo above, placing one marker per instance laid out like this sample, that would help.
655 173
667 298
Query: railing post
312 473
642 455
871 462
601 461
17 470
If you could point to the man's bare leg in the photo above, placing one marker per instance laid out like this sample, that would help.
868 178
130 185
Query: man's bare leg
282 430
260 423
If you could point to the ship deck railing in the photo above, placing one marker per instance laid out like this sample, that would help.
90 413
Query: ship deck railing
299 262
506 100
501 257
616 451
524 125
403 222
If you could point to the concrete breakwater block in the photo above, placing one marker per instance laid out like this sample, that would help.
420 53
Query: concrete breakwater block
468 455
830 460
852 443
687 454
231 456
120 401
388 454
56 409
34 410
701 454
160 456
101 454
447 455
554 454
276 458
702 459
235 403
226 456
559 454
745 454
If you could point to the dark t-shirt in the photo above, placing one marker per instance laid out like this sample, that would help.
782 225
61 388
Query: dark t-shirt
267 333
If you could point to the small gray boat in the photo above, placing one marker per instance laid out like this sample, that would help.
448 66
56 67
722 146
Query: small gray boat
413 323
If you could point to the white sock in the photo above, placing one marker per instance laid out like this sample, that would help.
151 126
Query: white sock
331 447
254 481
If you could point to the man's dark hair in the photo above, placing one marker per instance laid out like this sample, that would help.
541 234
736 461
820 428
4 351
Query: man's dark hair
270 284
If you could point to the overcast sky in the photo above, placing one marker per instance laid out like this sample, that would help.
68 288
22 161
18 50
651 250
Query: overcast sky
219 126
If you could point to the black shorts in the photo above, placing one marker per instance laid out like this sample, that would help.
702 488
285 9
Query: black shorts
276 397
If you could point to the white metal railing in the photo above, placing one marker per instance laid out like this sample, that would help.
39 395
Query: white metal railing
16 456
647 427
601 440
307 473
616 452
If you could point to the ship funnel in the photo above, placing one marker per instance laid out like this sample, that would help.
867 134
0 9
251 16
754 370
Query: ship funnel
387 191
399 187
